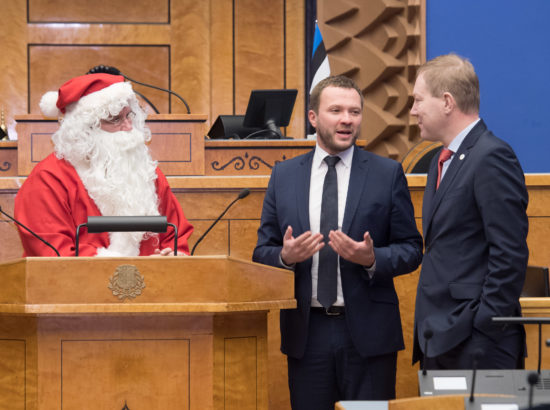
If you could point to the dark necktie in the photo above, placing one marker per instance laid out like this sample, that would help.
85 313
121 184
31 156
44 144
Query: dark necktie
443 156
328 259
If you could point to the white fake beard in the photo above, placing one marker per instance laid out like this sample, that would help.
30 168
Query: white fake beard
119 175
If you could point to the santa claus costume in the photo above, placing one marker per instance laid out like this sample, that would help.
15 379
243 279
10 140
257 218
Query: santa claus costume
93 172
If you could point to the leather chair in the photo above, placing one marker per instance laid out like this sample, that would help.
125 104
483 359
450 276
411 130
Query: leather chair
536 282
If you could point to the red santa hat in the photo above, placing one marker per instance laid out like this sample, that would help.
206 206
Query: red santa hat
86 91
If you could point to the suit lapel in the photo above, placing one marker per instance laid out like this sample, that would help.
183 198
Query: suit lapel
303 180
357 179
432 197
429 192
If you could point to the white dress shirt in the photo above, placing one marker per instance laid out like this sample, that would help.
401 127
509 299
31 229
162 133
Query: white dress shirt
455 145
318 170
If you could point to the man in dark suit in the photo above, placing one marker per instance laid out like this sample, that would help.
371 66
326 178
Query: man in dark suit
475 228
342 340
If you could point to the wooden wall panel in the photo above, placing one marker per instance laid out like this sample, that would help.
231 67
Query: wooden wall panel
241 366
51 65
259 48
190 55
157 353
240 344
256 45
12 362
98 11
216 51
295 65
146 374
222 61
13 64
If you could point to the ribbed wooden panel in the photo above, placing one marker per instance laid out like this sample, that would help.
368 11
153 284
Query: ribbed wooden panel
98 11
378 44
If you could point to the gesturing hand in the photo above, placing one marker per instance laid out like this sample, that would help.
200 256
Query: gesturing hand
360 252
301 248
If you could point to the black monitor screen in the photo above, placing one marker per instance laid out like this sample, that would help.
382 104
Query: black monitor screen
270 109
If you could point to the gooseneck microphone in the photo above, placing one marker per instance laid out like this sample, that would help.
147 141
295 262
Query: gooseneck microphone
243 194
428 334
30 231
478 353
532 379
116 71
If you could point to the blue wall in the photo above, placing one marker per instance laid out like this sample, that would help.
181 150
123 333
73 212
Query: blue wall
508 42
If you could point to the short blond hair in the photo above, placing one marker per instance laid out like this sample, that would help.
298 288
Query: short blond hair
453 74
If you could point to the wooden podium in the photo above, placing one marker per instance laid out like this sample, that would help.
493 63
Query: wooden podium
137 333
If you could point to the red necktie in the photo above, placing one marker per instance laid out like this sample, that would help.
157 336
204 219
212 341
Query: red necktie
443 156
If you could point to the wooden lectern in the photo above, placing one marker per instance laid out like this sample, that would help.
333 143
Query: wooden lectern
137 333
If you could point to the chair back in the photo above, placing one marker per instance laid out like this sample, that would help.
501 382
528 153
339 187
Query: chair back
536 282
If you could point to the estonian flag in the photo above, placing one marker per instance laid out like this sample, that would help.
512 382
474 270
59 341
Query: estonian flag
319 61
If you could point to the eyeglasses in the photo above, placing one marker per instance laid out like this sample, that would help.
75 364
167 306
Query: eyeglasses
119 119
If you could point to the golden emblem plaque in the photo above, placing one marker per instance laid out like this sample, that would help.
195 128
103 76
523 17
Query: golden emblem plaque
126 282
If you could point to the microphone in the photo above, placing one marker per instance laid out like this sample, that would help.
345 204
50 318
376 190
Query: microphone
156 223
476 356
30 231
104 69
116 71
243 194
532 379
428 334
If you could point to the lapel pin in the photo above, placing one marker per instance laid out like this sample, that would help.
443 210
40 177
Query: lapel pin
462 156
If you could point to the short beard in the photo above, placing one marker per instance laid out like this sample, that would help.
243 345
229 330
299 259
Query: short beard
328 140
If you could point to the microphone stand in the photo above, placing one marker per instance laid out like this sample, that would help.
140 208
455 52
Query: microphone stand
477 355
147 101
532 379
160 89
244 192
527 321
428 333
31 232
115 71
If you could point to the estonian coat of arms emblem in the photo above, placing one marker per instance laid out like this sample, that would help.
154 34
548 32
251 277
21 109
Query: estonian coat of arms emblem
126 282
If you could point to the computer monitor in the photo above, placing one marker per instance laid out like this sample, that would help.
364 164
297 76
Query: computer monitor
269 110
230 127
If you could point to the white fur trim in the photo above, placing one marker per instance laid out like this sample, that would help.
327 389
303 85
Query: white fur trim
115 92
48 104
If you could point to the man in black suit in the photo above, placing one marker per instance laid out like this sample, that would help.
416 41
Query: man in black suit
475 228
343 346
